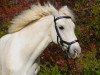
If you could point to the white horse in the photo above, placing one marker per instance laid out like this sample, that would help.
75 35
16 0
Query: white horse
30 33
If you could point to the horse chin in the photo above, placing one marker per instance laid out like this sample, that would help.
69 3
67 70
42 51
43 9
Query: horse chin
73 56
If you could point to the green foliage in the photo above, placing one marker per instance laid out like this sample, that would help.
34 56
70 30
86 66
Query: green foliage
95 27
91 66
77 5
51 70
4 28
79 34
97 0
96 10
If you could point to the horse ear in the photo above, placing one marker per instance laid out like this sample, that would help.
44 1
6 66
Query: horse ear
54 12
67 12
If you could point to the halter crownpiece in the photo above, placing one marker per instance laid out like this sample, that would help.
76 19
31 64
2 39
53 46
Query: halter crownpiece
55 19
60 41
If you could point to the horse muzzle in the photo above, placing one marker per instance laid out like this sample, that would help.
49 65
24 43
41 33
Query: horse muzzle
73 51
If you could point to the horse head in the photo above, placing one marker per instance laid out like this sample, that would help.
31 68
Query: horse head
62 32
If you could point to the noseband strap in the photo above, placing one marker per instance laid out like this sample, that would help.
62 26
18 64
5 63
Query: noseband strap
60 41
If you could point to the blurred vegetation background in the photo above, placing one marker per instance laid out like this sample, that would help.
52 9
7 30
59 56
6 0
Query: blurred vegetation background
87 30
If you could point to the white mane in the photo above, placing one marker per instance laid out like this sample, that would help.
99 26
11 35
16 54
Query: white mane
33 14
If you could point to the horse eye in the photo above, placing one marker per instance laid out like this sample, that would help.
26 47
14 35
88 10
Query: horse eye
61 27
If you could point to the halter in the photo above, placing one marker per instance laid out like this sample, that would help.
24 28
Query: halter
60 41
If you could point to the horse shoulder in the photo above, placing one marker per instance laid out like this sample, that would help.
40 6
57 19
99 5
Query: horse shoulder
3 41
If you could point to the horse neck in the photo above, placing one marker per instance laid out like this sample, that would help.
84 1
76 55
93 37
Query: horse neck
38 36
42 26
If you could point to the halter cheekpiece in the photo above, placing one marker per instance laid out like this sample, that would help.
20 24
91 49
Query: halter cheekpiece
60 41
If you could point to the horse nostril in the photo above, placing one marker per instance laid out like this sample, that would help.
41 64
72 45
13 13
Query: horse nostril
75 51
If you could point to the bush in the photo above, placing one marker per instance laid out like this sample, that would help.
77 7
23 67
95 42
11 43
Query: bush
51 70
